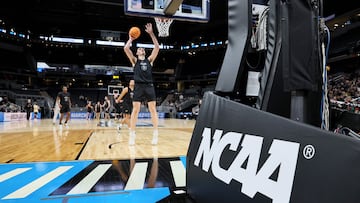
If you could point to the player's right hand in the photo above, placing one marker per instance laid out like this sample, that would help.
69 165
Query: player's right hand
131 38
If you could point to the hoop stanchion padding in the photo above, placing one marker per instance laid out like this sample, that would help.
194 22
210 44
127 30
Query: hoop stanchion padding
248 155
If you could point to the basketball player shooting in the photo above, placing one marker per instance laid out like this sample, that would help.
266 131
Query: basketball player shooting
144 87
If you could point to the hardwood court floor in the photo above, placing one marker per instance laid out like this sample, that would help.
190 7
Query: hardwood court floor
40 140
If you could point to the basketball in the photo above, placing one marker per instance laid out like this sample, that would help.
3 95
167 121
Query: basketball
134 32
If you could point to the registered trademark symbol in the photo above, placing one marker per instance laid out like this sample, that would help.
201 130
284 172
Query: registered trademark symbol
309 151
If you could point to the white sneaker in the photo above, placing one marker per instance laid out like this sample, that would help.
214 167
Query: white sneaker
132 137
155 138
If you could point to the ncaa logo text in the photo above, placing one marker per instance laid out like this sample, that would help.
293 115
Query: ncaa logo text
282 155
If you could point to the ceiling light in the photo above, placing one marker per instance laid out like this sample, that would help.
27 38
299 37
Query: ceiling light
335 25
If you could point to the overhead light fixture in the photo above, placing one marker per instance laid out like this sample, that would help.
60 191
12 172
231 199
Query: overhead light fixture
336 25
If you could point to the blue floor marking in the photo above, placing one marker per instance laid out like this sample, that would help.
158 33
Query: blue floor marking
183 160
38 169
149 195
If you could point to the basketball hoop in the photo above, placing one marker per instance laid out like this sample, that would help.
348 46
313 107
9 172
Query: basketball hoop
163 25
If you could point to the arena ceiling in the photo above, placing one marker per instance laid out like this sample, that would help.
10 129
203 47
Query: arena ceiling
85 18
88 18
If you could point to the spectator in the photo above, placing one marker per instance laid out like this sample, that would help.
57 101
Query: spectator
28 108
36 109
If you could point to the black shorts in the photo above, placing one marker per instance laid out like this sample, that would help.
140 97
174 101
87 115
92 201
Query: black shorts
144 92
65 109
127 108
118 107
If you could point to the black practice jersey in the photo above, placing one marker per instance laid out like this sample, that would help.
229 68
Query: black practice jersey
143 71
64 98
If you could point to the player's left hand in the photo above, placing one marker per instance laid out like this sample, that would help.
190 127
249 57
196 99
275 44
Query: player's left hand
149 28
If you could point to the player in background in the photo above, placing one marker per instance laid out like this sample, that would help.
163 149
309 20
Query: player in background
97 110
106 107
64 101
89 109
126 98
28 108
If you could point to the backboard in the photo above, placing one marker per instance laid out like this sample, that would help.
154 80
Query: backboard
114 89
189 10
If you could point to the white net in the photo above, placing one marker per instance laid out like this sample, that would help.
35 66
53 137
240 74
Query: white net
163 25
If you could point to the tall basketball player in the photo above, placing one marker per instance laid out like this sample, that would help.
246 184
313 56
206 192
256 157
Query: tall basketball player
144 88
64 101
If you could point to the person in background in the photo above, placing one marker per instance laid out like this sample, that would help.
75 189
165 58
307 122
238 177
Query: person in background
64 101
106 107
89 109
126 98
97 110
28 108
36 109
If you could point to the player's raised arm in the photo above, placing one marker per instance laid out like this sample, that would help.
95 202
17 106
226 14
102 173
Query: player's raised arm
155 51
128 51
